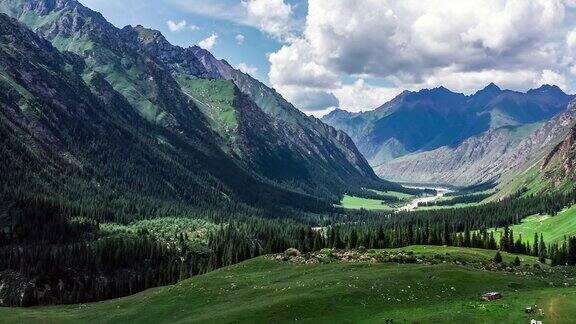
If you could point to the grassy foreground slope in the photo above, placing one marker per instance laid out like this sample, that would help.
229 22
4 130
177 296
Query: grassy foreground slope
263 290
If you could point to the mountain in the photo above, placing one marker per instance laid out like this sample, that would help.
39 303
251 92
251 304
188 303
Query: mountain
67 133
333 150
543 161
124 113
479 158
425 136
559 167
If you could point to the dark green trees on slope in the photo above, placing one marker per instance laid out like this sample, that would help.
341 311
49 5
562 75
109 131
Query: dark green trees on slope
73 136
138 129
95 129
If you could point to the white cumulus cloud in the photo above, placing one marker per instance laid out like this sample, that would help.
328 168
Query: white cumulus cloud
176 26
361 96
571 40
240 39
209 42
553 78
247 68
462 45
271 16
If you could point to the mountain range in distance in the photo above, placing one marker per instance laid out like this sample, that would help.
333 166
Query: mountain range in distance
438 136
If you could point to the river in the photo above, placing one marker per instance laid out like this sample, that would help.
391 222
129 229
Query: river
413 205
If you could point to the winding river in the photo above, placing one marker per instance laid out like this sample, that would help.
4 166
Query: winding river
440 192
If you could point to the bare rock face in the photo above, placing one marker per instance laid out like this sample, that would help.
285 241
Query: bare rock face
478 159
560 165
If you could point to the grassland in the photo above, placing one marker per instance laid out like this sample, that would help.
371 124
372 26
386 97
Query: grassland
462 254
263 291
553 228
353 202
215 99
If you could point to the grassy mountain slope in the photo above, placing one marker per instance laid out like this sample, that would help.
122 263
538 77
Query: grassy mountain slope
545 160
263 290
553 228
319 144
68 133
254 156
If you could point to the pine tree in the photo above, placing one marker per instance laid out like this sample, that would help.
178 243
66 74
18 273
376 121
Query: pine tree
572 251
353 241
498 257
535 251
542 250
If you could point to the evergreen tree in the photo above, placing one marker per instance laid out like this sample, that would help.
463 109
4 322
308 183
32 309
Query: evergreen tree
517 261
498 257
542 250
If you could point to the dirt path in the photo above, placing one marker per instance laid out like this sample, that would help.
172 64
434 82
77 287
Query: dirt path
551 311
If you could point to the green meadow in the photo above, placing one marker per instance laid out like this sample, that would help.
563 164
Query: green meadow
553 228
263 290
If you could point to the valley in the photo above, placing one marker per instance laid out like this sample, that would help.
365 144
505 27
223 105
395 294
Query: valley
257 161
414 204
404 202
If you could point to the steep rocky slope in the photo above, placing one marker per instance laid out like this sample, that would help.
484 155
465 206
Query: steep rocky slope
478 159
544 161
560 165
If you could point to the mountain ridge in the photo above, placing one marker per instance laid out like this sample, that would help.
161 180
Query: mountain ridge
306 158
422 136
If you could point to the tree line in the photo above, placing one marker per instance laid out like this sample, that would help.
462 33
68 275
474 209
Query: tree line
46 243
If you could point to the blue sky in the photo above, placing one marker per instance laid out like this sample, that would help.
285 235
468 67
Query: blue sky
358 54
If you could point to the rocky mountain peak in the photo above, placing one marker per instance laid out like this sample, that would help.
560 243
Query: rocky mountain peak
548 89
490 89
43 7
146 35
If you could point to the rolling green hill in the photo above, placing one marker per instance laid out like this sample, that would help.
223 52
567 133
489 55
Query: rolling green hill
265 290
553 228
